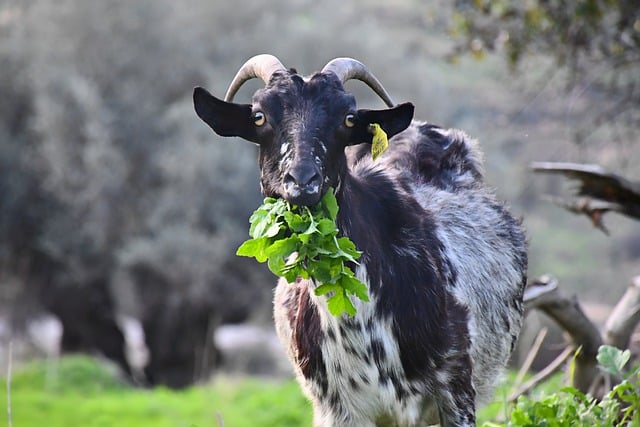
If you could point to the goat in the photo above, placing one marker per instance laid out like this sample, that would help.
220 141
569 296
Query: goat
444 261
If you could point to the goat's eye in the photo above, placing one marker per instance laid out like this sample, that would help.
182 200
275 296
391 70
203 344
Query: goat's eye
259 118
349 120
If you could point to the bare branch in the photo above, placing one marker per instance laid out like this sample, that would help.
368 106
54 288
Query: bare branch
544 295
597 193
624 317
531 355
592 208
542 286
544 374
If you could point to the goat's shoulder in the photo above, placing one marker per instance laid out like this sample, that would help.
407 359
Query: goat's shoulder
427 154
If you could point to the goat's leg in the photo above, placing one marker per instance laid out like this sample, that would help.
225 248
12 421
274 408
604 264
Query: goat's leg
330 420
456 394
457 409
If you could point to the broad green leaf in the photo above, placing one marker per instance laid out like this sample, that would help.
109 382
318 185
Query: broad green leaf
321 271
306 239
258 227
325 288
276 265
330 204
297 223
293 273
313 224
354 286
272 230
326 227
348 247
339 303
255 248
258 215
612 359
283 248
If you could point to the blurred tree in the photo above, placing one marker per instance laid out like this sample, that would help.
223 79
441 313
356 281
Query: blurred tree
108 201
597 42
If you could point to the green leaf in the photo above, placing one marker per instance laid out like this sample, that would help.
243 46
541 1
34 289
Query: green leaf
258 227
330 204
272 230
255 248
326 227
347 250
283 248
612 359
306 239
276 265
339 303
297 223
325 288
321 271
292 274
354 286
258 215
520 418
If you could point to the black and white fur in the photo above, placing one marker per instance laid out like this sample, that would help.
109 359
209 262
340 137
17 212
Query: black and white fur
444 261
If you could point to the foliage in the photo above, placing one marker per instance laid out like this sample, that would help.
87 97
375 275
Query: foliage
600 29
596 41
298 241
570 407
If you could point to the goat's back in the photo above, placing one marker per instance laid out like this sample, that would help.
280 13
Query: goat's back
486 247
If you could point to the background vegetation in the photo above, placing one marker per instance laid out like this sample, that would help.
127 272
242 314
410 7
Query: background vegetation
115 200
84 392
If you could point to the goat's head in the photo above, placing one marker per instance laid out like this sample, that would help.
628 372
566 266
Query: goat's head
302 125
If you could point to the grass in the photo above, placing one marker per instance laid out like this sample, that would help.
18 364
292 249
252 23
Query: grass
82 391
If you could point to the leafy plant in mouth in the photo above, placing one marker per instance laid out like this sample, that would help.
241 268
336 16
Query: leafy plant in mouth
303 242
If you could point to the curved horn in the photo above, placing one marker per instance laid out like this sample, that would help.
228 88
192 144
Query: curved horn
349 68
262 66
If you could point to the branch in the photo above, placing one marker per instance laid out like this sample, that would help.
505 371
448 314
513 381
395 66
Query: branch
543 294
526 366
597 193
624 317
543 374
592 208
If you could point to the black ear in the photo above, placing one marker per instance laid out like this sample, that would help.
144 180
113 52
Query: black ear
392 121
225 118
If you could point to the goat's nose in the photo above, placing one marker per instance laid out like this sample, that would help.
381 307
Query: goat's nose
302 185
302 177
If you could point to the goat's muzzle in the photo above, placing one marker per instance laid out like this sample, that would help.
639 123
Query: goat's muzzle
302 185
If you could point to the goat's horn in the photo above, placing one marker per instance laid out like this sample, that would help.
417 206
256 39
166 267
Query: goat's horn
349 68
262 66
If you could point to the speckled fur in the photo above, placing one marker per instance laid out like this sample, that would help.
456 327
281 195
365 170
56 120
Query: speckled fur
358 376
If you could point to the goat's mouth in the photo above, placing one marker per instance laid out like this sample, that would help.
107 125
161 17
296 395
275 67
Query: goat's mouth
308 195
302 185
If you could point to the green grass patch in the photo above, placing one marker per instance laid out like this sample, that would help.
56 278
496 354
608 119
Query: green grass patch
80 391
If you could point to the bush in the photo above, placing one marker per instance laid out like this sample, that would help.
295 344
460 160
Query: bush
570 407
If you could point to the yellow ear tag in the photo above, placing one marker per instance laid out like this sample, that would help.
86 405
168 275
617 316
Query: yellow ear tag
379 143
